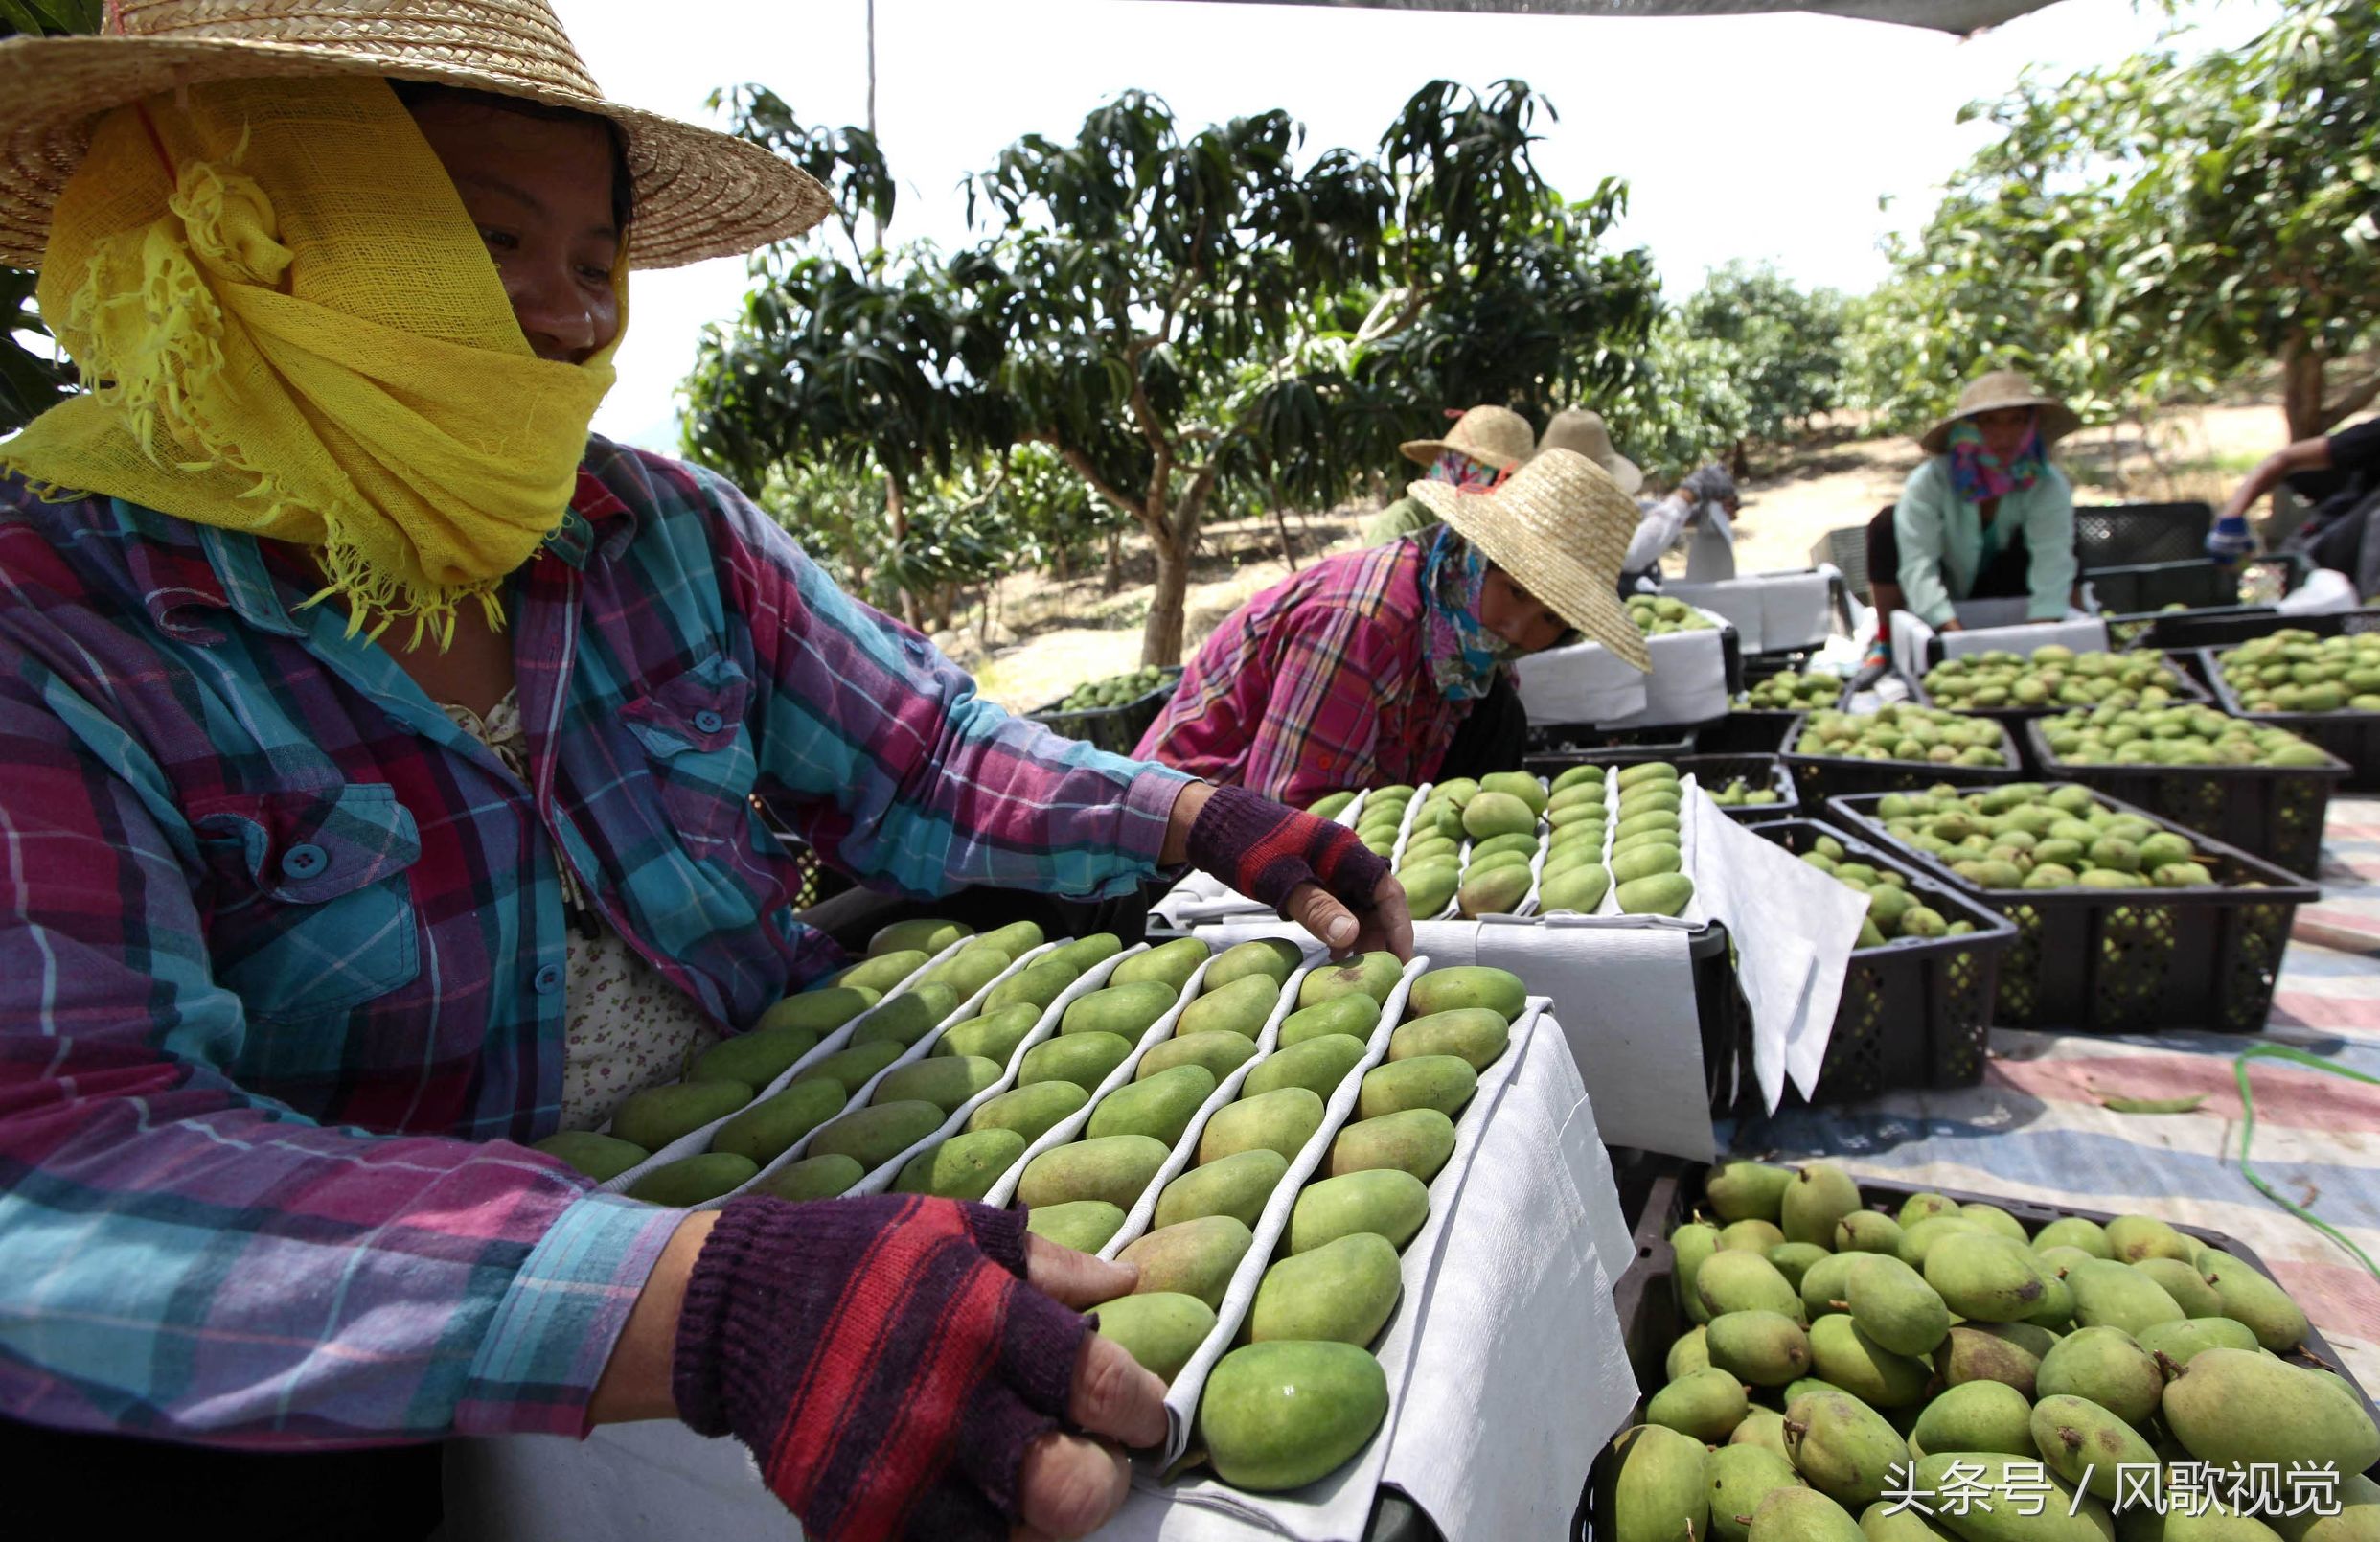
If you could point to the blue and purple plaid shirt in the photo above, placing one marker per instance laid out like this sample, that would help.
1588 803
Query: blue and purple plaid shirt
281 948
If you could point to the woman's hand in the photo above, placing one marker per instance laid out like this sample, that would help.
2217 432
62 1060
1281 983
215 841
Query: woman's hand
1310 870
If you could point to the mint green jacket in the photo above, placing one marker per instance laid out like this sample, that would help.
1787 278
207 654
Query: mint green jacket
1940 537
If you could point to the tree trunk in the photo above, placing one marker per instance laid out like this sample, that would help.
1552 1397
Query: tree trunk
1112 579
1160 639
1289 550
1065 568
2302 390
1740 463
898 507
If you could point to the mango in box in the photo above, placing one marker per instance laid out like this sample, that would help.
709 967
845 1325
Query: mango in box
967 971
1443 1082
1237 1186
1374 974
1468 986
1475 1035
1317 1065
929 936
908 1017
1126 1011
1160 1107
812 1178
1354 1014
1240 1007
1084 1059
1015 940
1032 1112
1275 957
1655 1486
946 1082
963 1166
854 1067
1385 1200
1169 964
1429 889
817 1012
994 1035
600 1156
1221 1051
1342 1290
1195 1258
774 1126
1279 1416
1037 984
883 970
693 1180
1497 813
1161 1330
875 1134
1330 805
1665 894
1579 888
1084 952
1283 1120
1114 1167
1084 1225
1497 891
1417 1140
755 1059
657 1115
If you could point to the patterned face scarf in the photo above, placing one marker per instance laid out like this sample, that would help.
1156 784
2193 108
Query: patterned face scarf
293 328
1464 656
1470 476
1977 474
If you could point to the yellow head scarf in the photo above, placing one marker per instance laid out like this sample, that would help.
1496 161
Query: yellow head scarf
293 328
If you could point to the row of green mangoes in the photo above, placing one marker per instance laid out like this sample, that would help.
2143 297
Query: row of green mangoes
2053 677
2172 736
1474 844
2028 835
2294 671
1903 730
1656 617
1893 912
1741 792
1114 690
1842 1353
1304 1393
1789 692
1636 856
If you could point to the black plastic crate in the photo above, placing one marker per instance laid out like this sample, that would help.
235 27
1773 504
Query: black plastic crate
1661 1193
2125 535
2272 812
2185 688
2194 582
1824 776
2125 961
1914 1012
1116 730
2354 737
1555 747
1723 1018
1713 772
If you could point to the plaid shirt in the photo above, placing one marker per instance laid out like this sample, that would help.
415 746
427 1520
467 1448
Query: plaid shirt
1318 683
281 948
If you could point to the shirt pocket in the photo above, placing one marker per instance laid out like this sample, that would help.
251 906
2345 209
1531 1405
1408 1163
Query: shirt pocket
313 909
691 726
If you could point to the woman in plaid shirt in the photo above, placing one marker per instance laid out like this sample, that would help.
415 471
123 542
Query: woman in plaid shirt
289 931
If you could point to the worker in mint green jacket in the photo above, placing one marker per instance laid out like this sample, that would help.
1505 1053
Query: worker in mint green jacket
1985 517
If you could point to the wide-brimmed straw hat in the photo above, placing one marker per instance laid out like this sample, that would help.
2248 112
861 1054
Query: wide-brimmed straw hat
1493 436
1560 526
1579 429
699 193
2003 388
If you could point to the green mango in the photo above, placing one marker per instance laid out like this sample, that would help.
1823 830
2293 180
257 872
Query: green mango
693 1180
1795 1514
1443 1082
1579 775
1867 1232
1893 1305
1752 1236
1693 1246
1475 1035
1085 951
1765 1428
1115 1167
1706 1404
1926 1206
2108 1294
1764 1348
1385 1201
1374 974
1664 894
1645 772
1283 1120
817 1012
1497 813
1826 1286
1126 1011
2002 1499
1795 1259
1649 861
1275 957
1820 1196
2105 1366
1985 1277
2182 1281
657 1115
967 971
1220 1052
1918 1237
882 971
1977 1415
875 1134
1317 1065
2075 1231
946 1083
774 1126
1417 1141
1662 836
2252 1300
1161 1330
2005 1352
1084 1059
1523 846
1495 892
1280 1415
2358 1520
1844 1448
1843 1354
1015 940
908 1017
1169 964
1032 1112
963 1166
600 1156
1240 1007
1637 824
1160 1107
1353 1015
1196 1258
1237 1186
1037 984
2179 1342
1084 1225
853 1067
1580 889
2083 1443
1741 1477
929 936
826 1177
755 1059
1736 1280
1746 1191
1522 785
2240 1406
1992 1218
1342 1290
994 1035
1427 891
1656 1488
2134 1237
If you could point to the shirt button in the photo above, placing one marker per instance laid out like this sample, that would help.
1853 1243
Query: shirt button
707 721
303 861
548 980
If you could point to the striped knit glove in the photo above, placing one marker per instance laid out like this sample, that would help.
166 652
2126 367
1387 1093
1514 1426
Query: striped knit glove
884 1359
1264 850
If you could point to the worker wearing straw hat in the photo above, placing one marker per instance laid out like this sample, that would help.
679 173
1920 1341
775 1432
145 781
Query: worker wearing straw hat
1359 671
1984 516
1483 446
382 752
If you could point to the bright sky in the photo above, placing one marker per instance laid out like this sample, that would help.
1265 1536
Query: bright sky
1764 137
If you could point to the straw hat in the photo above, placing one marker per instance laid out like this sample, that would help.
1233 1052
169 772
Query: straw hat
1560 526
2003 388
1493 436
699 193
1579 429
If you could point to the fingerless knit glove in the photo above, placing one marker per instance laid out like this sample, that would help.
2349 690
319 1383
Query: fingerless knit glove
1264 850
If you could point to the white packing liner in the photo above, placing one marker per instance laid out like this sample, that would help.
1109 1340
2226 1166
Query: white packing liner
1586 682
2085 635
1182 1396
1771 612
1067 1131
698 1141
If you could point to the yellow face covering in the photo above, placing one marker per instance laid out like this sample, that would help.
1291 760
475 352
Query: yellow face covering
293 328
